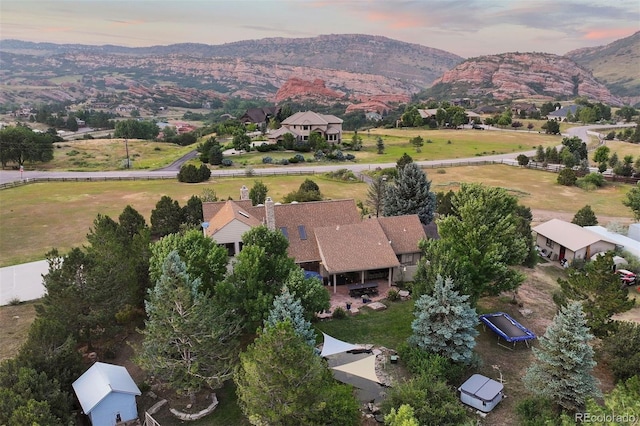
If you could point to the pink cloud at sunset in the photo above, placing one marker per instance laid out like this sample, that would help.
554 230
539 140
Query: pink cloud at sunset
396 22
609 33
57 29
127 23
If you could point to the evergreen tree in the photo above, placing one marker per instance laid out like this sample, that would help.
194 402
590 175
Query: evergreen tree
166 217
215 154
376 194
410 194
633 201
189 341
281 381
623 400
540 154
287 308
445 323
564 360
622 350
380 145
192 213
258 193
585 217
600 292
403 161
417 143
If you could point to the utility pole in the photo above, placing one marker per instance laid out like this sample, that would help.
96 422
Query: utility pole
126 146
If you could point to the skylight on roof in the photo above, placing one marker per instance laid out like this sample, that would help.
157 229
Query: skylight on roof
285 232
243 214
302 231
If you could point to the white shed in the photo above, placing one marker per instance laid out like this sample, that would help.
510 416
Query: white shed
481 392
107 394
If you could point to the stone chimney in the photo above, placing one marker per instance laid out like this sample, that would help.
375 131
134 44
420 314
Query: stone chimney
270 213
244 193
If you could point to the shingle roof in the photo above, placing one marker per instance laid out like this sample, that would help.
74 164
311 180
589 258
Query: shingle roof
562 112
310 118
404 232
568 234
355 247
230 211
99 381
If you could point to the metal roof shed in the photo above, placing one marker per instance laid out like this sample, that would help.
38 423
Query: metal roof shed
481 392
107 394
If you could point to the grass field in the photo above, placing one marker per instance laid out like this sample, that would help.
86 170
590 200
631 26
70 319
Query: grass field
463 143
110 154
41 216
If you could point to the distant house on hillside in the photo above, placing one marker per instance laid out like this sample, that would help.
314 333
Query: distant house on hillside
107 394
327 237
259 116
561 113
302 124
527 108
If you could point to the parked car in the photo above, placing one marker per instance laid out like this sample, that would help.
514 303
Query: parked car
627 277
477 127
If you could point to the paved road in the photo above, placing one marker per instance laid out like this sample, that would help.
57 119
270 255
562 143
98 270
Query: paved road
171 171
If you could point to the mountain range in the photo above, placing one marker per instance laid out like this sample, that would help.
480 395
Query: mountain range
352 69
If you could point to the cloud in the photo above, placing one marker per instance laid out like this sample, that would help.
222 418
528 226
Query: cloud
279 30
119 23
56 29
610 33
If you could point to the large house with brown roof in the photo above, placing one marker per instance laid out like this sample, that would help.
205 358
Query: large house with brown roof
302 124
327 237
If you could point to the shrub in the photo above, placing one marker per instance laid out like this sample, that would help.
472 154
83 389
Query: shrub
536 411
350 157
267 160
15 301
299 157
623 350
393 296
427 364
523 160
284 162
339 313
567 177
441 171
226 162
266 147
191 174
293 160
319 155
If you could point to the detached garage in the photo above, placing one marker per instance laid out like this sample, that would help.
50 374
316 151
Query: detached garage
481 392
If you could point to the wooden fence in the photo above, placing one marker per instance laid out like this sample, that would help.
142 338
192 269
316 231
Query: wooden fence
149 421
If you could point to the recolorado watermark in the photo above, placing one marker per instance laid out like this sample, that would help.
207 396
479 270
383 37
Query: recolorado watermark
625 419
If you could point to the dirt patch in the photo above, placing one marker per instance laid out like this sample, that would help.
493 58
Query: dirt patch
536 296
541 216
15 320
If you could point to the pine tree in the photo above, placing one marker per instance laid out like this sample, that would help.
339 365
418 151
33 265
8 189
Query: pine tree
189 341
380 145
600 292
411 195
287 308
445 323
564 360
585 217
281 381
376 193
166 217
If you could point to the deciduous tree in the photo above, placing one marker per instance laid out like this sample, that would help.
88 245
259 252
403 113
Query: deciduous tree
258 193
633 201
203 257
445 323
410 194
479 242
564 361
310 291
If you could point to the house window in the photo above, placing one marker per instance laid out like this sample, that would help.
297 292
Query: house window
302 231
409 259
305 127
550 243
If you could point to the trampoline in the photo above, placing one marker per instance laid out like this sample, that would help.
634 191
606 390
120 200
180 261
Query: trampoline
507 328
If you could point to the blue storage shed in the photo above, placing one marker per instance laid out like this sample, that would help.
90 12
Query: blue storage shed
107 394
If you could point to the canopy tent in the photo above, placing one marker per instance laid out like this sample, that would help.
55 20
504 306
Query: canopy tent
333 346
617 260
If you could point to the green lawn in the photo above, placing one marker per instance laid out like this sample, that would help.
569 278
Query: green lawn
388 328
445 144
110 154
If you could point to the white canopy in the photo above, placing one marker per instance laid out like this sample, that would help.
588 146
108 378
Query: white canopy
333 346
365 368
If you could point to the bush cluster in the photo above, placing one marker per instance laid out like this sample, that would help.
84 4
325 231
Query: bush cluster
192 174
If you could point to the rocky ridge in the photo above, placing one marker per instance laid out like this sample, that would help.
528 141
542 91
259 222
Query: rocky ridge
523 75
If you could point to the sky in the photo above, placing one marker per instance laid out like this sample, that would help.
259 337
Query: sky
465 27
